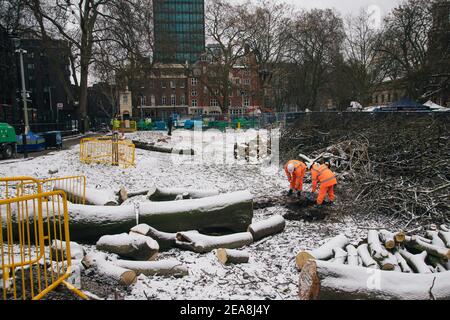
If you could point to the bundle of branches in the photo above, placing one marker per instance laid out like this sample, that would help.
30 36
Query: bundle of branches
409 267
396 164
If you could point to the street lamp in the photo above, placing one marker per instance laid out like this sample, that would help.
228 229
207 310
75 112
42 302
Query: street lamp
24 94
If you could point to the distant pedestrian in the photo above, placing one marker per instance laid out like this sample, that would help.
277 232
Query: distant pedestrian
169 125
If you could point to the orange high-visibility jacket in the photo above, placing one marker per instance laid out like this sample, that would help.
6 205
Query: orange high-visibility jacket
296 179
323 175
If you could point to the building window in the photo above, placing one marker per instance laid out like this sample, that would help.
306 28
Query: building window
247 82
194 81
194 102
238 81
183 100
214 103
173 85
173 100
163 101
194 93
246 102
163 84
247 73
153 100
31 66
125 99
182 84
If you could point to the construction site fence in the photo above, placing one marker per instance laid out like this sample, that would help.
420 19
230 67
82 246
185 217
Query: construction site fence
107 150
35 253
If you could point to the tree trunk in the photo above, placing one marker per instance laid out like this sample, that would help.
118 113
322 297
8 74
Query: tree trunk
203 244
227 256
402 262
169 268
388 238
324 252
329 281
445 235
377 251
340 256
271 226
76 251
133 246
420 245
107 268
167 194
417 262
165 240
150 147
93 197
367 260
229 213
352 256
436 240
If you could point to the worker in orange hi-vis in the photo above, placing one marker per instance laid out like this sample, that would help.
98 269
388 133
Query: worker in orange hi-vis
327 179
295 172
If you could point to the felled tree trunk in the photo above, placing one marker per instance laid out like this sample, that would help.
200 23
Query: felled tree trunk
269 227
106 268
378 252
152 147
352 256
169 268
165 240
202 243
367 260
402 262
227 213
340 256
93 197
227 256
60 248
329 281
170 194
388 238
444 233
417 262
324 252
436 240
421 245
133 246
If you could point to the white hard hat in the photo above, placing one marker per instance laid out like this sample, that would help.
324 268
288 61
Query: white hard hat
291 168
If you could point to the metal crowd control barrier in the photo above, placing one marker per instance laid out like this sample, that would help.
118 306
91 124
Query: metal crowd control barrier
34 241
125 126
106 150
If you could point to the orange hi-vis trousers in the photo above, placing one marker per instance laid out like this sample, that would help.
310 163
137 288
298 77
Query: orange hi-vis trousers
323 191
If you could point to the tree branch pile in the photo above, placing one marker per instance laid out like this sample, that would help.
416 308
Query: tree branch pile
396 164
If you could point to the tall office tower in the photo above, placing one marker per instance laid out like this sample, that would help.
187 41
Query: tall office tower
179 27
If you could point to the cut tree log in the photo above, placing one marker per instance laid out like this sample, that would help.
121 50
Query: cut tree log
418 244
445 236
223 214
98 260
393 260
417 261
324 252
434 261
168 268
201 243
436 240
340 256
377 251
269 227
151 147
388 238
133 246
123 195
93 196
155 193
366 258
59 248
400 237
227 256
165 240
330 281
402 262
445 228
352 255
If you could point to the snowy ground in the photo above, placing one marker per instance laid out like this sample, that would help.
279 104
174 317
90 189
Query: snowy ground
271 273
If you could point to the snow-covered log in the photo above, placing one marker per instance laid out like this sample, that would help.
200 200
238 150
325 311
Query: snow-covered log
420 245
271 226
98 260
77 252
170 194
377 251
416 261
324 252
435 238
201 243
367 260
161 149
165 240
400 237
340 256
227 256
228 213
402 262
388 238
93 196
444 234
352 255
133 246
329 281
168 268
393 260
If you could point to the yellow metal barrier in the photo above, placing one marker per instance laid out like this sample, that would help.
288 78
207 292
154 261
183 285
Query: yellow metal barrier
34 242
107 151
